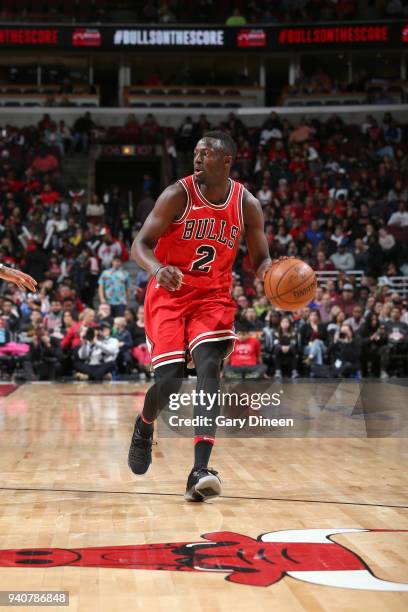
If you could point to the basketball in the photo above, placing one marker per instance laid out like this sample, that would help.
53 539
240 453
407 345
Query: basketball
290 284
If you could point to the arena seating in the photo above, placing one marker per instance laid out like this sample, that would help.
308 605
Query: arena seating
193 96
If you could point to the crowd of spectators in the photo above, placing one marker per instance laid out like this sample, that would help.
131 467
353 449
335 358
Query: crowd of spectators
233 12
347 332
333 194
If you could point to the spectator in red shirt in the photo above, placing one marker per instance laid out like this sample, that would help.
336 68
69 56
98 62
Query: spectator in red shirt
246 356
72 338
46 122
322 263
277 151
296 205
308 211
49 196
45 162
31 183
297 164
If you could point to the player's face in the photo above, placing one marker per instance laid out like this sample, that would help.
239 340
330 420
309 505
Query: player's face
210 164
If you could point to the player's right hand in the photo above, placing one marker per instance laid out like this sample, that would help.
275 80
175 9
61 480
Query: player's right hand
170 278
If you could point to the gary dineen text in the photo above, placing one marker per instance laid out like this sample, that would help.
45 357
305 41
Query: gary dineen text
223 421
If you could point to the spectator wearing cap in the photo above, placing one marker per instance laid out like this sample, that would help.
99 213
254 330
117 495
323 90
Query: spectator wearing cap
109 249
97 352
356 321
114 287
342 260
53 319
346 300
245 359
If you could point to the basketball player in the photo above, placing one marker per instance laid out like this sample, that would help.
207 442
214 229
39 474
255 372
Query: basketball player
188 244
22 280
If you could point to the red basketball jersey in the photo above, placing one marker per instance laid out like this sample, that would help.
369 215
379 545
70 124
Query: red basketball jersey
203 242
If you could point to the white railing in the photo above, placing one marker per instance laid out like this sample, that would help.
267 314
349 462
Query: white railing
172 117
41 99
333 275
399 284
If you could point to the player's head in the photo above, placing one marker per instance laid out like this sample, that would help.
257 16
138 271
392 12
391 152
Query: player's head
214 155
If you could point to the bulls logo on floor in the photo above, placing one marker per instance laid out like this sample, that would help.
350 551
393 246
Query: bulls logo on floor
309 555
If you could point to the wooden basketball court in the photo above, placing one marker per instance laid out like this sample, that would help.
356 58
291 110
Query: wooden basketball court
65 485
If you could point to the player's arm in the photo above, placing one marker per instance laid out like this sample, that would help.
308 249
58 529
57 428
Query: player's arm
255 235
170 205
22 280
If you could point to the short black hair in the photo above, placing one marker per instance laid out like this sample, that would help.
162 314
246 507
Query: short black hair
226 143
242 325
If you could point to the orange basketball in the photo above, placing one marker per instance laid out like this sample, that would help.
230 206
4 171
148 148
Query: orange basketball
290 284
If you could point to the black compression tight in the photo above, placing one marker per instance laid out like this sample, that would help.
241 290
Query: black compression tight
208 359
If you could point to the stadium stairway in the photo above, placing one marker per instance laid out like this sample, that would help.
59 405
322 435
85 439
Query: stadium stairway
76 171
132 268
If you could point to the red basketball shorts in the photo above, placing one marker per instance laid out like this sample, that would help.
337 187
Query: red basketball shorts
177 320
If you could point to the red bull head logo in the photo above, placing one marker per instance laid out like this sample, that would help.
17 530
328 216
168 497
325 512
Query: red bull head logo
309 555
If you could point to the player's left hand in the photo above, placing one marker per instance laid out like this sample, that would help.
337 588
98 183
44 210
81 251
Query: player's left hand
265 267
22 280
